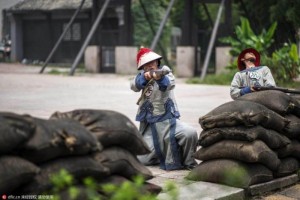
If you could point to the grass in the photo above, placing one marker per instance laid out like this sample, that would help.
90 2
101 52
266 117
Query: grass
212 79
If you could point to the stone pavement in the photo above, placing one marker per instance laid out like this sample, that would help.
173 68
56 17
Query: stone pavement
25 91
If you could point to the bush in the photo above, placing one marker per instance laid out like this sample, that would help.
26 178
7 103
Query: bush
245 38
284 63
64 181
211 79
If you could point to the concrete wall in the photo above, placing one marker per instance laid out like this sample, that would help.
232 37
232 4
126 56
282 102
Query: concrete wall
126 60
185 61
92 59
4 4
16 39
223 59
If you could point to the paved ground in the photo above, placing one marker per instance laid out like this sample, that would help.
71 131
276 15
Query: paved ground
25 91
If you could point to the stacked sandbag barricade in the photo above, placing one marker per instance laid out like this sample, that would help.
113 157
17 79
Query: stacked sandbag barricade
101 144
252 140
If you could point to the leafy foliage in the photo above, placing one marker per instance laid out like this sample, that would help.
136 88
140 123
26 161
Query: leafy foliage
263 13
285 63
246 38
143 34
61 180
128 190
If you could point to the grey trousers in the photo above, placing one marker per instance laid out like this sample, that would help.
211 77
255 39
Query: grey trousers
186 138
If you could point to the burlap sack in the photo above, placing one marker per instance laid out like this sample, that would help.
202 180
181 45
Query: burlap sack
245 113
292 130
14 172
14 130
111 128
122 162
230 172
296 110
287 166
290 150
273 139
56 138
78 166
277 101
251 152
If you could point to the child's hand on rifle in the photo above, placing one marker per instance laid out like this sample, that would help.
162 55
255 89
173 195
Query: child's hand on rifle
152 75
155 74
254 89
147 76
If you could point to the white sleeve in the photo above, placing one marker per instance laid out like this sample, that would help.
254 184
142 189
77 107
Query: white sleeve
268 78
235 84
133 85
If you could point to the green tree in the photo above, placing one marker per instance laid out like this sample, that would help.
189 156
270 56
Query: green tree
143 34
246 38
264 13
284 63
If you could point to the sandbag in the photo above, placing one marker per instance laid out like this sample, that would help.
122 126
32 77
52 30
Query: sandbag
78 166
122 162
14 172
287 166
245 113
56 138
296 110
14 130
111 128
133 142
290 150
292 130
251 152
273 139
230 172
277 101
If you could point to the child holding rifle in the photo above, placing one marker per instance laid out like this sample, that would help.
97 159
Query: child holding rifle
171 141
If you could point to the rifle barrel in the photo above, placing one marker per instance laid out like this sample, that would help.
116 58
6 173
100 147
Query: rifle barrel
285 90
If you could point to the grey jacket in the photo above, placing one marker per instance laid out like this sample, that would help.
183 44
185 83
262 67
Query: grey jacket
256 76
158 103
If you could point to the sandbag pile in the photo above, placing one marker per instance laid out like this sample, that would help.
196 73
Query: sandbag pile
251 140
101 144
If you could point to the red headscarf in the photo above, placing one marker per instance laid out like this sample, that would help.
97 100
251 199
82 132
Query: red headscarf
240 63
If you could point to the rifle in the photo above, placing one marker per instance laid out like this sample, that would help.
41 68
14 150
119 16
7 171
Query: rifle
285 90
160 72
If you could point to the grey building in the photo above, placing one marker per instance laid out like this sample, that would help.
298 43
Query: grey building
36 25
4 22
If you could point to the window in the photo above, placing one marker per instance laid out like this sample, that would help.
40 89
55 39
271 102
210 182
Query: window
108 56
74 32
